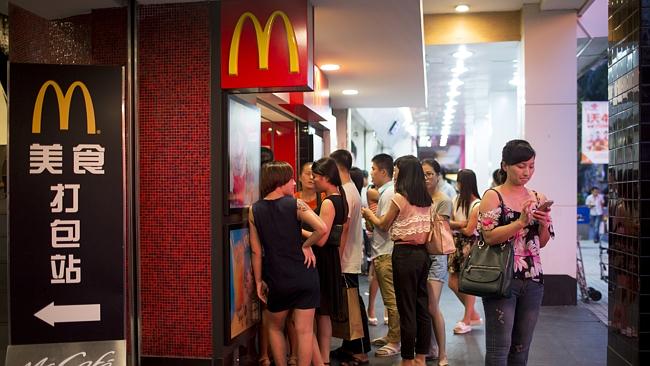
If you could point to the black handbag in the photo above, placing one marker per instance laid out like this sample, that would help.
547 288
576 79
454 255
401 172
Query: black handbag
335 236
488 269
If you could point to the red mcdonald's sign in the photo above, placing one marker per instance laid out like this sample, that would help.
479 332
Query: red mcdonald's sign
267 45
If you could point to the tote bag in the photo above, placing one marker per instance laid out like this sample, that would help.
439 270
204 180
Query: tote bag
351 326
440 240
488 269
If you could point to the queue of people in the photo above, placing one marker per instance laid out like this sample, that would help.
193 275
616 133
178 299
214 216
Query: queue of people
309 248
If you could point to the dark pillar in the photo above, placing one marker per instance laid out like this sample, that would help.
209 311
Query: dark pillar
629 177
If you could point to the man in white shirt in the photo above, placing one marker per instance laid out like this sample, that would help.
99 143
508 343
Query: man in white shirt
595 203
445 186
381 255
351 251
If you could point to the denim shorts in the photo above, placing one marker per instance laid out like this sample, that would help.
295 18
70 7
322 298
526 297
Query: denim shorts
438 269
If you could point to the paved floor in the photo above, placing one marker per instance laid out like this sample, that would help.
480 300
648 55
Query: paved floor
591 258
565 335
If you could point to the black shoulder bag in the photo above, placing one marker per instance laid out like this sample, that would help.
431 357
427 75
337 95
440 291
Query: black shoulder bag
488 269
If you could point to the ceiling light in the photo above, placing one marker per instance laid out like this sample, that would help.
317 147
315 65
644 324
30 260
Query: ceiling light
330 67
447 122
453 93
462 8
462 53
455 82
451 103
350 92
459 69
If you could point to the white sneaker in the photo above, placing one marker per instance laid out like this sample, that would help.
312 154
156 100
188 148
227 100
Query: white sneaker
462 328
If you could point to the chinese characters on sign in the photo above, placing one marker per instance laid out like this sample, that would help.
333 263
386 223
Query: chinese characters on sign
66 269
66 212
595 130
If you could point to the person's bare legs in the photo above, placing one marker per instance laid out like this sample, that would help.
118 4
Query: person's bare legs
276 336
324 336
373 288
468 301
293 337
303 320
264 341
435 289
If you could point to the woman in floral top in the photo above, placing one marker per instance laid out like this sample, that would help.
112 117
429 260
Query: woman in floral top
510 322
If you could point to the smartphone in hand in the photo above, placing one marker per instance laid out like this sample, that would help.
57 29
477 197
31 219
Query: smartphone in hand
545 206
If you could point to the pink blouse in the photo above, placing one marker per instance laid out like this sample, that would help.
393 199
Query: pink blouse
412 224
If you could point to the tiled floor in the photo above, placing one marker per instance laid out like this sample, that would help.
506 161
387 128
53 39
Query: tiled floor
565 335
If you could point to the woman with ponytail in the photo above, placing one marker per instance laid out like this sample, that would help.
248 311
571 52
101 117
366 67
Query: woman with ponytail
334 212
512 213
409 221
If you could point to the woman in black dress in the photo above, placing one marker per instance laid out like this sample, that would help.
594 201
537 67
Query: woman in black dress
286 276
334 213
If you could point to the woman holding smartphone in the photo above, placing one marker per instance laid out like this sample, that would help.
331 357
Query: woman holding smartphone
525 222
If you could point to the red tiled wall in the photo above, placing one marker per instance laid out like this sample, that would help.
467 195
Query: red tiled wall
29 37
98 38
109 36
174 119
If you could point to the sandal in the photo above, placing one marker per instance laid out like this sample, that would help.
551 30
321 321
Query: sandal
380 342
264 361
292 361
373 321
387 351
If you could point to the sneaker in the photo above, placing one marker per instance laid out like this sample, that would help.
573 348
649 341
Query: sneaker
462 328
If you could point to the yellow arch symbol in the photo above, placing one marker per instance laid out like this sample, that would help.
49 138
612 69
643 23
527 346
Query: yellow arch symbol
263 40
63 102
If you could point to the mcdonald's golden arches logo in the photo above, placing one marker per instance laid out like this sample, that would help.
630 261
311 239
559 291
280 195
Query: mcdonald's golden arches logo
263 41
63 102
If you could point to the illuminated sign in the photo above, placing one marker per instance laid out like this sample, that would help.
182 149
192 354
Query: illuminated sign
263 41
266 46
66 213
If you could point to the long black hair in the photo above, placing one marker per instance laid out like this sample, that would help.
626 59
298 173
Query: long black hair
327 168
410 181
467 183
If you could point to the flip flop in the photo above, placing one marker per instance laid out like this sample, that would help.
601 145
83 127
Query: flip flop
381 341
387 351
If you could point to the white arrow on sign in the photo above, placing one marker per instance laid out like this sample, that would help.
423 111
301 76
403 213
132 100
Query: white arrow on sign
69 313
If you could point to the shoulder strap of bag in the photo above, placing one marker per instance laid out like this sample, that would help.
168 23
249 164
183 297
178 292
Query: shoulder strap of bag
474 205
502 216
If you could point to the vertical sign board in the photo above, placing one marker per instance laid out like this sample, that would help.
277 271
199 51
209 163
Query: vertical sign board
267 45
595 133
66 204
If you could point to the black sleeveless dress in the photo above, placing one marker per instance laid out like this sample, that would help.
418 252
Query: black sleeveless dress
328 263
291 284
